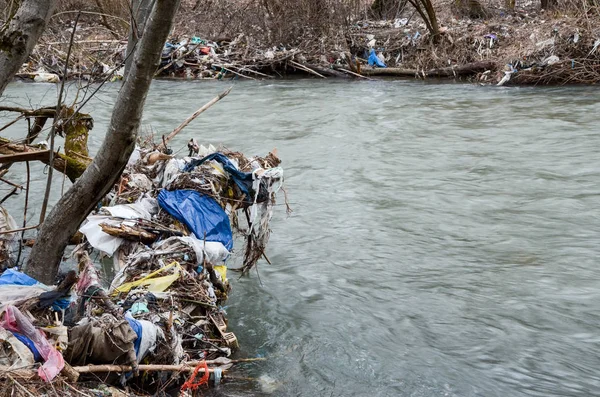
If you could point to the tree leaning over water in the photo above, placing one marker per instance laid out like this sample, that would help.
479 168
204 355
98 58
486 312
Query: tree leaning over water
20 34
66 216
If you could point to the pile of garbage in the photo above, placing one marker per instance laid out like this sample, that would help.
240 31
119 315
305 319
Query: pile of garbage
169 226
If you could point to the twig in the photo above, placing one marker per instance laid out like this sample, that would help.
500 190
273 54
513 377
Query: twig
159 71
24 212
266 258
306 69
14 191
234 72
20 386
77 391
18 230
192 117
355 74
12 183
246 69
53 129
11 123
91 13
88 42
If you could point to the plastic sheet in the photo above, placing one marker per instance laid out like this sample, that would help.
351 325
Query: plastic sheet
151 282
15 277
37 357
13 352
15 321
12 294
148 335
200 213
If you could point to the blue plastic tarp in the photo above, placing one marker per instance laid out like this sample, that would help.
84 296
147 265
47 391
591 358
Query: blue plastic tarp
30 345
374 60
242 179
200 213
136 326
15 277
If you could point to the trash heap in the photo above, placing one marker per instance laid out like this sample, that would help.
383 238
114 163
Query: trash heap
169 226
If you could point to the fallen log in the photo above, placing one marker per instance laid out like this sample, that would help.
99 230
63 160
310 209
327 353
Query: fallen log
451 71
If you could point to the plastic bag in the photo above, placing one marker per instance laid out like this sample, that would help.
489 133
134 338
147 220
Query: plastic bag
152 283
374 60
15 321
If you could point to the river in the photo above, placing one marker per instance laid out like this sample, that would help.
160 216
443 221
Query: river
444 238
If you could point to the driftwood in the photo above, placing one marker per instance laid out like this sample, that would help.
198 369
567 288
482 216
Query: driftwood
130 233
452 71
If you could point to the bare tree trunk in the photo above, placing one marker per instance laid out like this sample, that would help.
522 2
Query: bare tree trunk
140 11
548 4
18 38
102 173
427 13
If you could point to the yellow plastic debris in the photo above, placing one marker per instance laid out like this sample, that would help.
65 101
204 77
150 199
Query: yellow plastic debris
152 283
222 269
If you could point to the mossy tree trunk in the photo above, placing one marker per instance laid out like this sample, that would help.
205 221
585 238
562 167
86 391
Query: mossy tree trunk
74 126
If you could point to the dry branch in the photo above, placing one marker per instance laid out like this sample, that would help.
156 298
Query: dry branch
197 113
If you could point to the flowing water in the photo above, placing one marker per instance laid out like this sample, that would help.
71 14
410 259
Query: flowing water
444 239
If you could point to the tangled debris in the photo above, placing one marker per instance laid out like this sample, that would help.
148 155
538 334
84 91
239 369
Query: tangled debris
169 226
524 45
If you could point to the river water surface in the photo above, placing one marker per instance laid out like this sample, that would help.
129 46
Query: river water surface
444 238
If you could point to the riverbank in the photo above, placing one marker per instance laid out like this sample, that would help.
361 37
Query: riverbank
524 47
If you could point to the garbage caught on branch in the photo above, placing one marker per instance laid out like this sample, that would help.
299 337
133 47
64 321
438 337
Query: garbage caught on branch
169 225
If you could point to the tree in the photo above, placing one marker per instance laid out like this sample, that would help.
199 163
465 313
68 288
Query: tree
108 164
473 8
140 11
387 9
548 4
427 12
20 34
